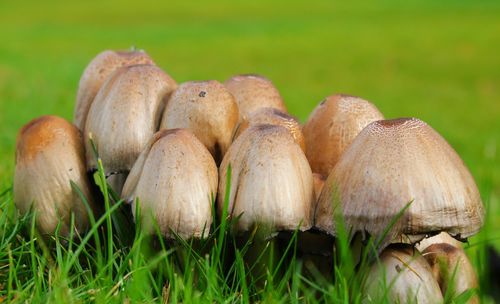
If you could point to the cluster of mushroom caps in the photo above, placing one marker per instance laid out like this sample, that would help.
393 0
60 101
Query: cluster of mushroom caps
169 147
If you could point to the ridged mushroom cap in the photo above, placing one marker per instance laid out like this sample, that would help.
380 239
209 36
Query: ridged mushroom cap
208 110
404 274
253 92
175 180
452 269
390 164
125 114
49 155
277 117
271 181
96 73
332 126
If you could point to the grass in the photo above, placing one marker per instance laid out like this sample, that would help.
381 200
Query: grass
436 61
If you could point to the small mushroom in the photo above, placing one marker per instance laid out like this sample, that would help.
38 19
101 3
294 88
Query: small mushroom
49 156
441 237
271 181
208 110
452 269
332 126
175 180
274 117
253 92
96 73
401 275
124 116
393 163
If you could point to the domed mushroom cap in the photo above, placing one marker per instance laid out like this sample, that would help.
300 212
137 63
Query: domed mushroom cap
452 269
271 181
442 237
332 126
208 110
175 180
96 73
405 275
49 155
125 114
394 162
273 116
253 92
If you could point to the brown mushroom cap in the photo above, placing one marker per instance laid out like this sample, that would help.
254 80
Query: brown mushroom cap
253 92
394 162
318 182
96 73
175 179
332 126
442 237
125 114
274 117
404 275
49 155
208 110
271 181
452 269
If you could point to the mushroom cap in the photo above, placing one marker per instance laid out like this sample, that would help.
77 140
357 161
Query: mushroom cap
271 182
318 182
96 73
175 180
390 164
332 126
451 268
277 117
253 92
404 274
49 155
125 114
441 237
208 110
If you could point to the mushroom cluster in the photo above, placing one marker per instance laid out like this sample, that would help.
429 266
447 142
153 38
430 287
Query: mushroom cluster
167 150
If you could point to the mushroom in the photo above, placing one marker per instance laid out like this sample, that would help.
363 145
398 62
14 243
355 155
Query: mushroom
49 156
208 110
401 275
271 182
318 182
396 164
332 127
270 193
441 237
175 180
96 73
452 269
274 117
124 116
253 92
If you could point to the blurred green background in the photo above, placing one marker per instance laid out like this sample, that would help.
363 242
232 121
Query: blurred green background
438 61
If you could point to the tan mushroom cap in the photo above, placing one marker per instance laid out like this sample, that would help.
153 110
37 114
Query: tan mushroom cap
208 110
318 182
175 180
452 269
49 155
442 237
277 117
96 73
253 92
394 162
332 126
125 114
271 181
405 275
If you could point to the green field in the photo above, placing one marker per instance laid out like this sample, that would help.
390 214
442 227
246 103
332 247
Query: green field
438 61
